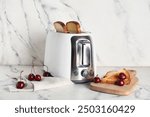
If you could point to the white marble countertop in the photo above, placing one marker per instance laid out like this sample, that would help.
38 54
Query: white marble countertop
74 91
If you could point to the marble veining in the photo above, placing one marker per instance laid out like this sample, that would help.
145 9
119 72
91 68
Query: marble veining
24 26
120 29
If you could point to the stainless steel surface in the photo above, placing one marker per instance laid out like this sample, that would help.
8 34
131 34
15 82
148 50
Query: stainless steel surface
82 64
86 53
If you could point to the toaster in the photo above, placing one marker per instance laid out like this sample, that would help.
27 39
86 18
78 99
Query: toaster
70 56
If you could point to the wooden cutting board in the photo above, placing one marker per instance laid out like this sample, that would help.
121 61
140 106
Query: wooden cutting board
114 89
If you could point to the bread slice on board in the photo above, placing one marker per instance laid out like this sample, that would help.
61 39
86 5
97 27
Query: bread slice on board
60 26
73 27
114 89
112 76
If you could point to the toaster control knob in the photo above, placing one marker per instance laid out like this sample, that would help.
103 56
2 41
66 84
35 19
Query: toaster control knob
84 73
91 73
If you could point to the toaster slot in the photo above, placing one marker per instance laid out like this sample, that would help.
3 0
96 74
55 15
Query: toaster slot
86 54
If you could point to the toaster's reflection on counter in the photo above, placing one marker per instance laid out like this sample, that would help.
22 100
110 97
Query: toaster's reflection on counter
70 56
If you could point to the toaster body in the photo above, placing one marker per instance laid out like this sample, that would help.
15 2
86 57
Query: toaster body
70 56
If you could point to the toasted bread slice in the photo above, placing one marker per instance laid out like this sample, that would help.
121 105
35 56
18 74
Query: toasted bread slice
132 73
109 79
60 26
110 73
73 27
112 76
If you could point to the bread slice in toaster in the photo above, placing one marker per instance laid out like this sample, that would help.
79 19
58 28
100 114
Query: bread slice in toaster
73 27
60 26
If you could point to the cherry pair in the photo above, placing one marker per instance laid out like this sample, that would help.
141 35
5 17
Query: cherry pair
33 77
121 78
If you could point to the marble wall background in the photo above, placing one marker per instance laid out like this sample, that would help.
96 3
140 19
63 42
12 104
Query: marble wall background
120 28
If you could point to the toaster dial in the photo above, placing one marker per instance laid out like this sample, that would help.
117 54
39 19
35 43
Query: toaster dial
81 75
91 73
84 73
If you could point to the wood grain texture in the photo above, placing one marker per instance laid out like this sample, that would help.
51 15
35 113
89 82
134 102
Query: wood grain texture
114 89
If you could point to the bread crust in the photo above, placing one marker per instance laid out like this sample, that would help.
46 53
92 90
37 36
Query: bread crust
112 76
72 29
60 26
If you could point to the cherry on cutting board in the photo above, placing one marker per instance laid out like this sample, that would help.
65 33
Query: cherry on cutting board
20 84
46 73
38 77
122 76
120 83
97 79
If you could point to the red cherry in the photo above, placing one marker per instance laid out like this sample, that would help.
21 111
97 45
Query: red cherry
38 77
122 76
120 83
97 79
47 74
20 85
31 77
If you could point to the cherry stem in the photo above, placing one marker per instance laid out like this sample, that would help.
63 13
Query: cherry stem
21 74
32 69
97 75
46 67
